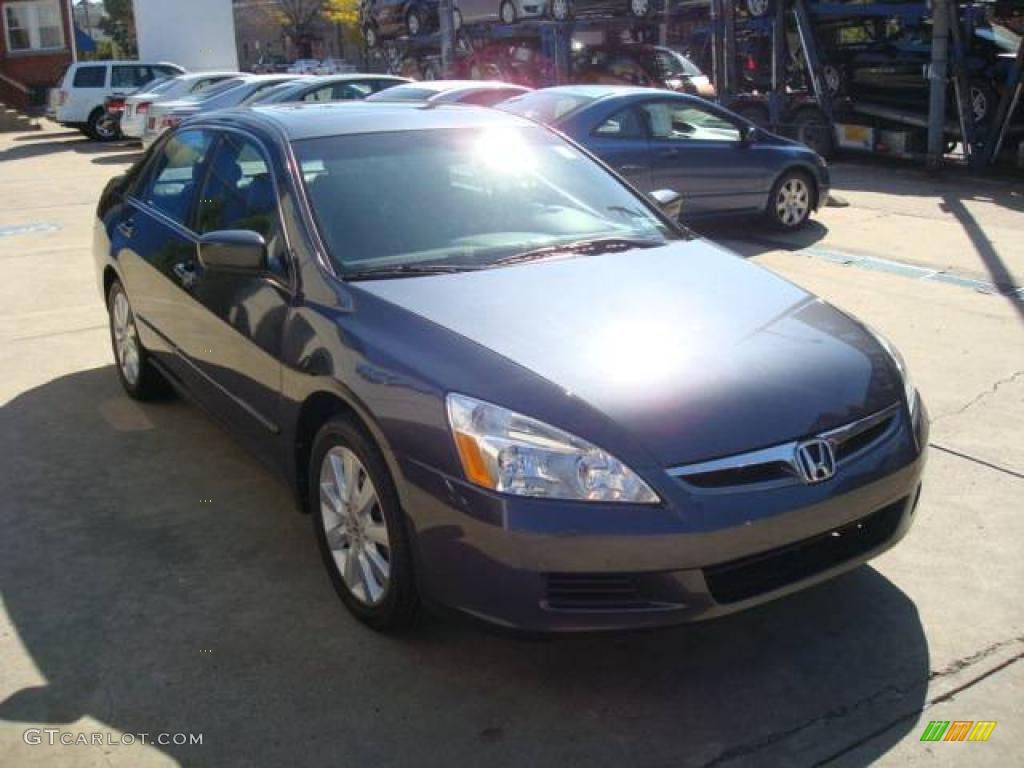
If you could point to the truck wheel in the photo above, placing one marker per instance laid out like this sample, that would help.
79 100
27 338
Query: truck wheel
759 8
813 130
982 102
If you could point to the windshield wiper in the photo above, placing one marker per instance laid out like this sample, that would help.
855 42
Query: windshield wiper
409 270
592 246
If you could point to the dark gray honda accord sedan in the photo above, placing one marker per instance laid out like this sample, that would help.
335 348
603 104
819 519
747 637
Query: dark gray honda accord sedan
499 378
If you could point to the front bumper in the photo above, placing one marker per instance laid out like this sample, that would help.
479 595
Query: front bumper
538 565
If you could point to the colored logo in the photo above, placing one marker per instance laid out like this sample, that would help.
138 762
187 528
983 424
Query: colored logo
958 730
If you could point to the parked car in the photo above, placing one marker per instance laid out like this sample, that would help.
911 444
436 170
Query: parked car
881 61
228 93
720 162
481 93
640 64
353 87
496 375
385 19
270 64
136 107
334 67
562 10
505 11
303 67
78 101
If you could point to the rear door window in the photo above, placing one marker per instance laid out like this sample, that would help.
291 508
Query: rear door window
91 77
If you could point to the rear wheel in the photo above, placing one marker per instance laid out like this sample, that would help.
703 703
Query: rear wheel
138 377
370 35
507 12
792 198
758 8
813 130
359 527
413 22
456 19
639 8
103 126
982 101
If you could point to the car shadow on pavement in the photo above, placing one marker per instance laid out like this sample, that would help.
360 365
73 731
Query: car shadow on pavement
161 582
80 145
750 238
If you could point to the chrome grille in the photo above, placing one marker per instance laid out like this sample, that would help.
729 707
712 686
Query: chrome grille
776 465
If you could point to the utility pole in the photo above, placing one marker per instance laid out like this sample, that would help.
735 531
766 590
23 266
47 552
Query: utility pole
937 75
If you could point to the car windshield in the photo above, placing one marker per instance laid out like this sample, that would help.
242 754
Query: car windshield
465 199
215 90
278 92
546 106
1004 38
672 64
405 93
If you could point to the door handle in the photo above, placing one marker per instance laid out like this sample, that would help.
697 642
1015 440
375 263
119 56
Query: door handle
669 152
186 274
631 168
127 227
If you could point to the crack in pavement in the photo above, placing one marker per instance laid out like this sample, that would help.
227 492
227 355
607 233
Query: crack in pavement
958 665
980 396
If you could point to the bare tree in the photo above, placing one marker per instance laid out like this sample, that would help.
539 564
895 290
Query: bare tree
298 18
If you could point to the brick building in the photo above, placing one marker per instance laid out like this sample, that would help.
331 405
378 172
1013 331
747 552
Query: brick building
36 45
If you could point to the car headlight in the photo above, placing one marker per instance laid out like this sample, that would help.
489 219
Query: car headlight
909 392
511 453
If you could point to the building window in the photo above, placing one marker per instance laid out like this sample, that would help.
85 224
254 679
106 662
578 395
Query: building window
33 25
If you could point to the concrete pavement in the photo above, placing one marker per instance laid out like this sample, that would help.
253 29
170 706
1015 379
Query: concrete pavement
156 580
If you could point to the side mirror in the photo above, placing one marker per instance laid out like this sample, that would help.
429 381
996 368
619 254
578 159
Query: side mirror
670 202
233 250
748 133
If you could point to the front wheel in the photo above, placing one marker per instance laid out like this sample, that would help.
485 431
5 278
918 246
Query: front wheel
507 12
792 198
138 377
561 10
359 527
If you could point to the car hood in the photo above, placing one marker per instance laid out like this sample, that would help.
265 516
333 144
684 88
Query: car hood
691 350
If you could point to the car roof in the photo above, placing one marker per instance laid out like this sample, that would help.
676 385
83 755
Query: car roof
603 91
440 86
310 121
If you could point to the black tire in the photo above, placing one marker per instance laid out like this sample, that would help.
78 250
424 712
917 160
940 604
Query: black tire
638 9
397 607
507 12
758 8
832 80
148 384
102 126
813 130
775 218
414 19
371 36
561 10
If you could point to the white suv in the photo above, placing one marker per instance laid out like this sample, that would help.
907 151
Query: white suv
78 101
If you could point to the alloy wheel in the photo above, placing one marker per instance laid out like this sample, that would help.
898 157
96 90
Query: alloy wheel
639 8
126 339
508 12
832 79
792 202
412 23
106 128
560 10
353 521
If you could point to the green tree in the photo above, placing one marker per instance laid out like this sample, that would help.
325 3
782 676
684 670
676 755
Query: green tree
119 23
